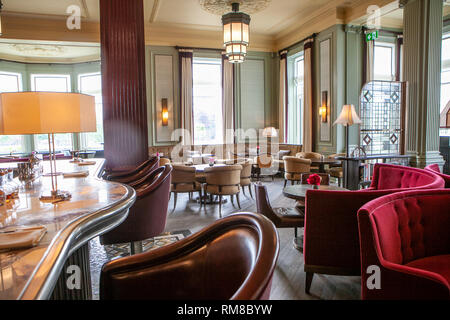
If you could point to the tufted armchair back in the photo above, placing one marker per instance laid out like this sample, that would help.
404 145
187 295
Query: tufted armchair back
223 180
387 176
406 235
411 226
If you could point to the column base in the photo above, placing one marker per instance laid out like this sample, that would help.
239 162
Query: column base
430 157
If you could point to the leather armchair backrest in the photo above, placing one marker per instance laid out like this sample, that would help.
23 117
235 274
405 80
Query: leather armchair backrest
135 174
196 267
263 204
147 217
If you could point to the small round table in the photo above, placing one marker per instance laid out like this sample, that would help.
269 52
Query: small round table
322 162
298 192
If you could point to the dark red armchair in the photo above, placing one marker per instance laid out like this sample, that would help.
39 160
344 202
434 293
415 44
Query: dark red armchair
435 168
234 258
136 173
406 235
331 241
147 217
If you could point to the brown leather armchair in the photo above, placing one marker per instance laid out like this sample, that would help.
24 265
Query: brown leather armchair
147 217
281 217
135 174
196 267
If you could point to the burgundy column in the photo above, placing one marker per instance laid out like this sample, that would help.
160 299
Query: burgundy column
123 80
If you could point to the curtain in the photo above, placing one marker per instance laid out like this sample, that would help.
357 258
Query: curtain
283 100
308 97
186 99
227 100
370 52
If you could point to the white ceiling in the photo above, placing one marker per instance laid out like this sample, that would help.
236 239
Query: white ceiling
270 21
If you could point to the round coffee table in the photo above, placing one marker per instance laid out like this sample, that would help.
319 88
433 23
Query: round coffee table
298 192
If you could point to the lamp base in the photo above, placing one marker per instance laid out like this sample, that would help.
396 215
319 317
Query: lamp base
56 196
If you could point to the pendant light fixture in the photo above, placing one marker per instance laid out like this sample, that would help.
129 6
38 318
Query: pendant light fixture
236 34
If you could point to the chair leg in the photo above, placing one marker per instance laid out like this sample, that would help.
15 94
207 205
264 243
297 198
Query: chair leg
243 190
200 197
232 200
250 190
237 198
175 196
292 182
309 278
220 206
285 182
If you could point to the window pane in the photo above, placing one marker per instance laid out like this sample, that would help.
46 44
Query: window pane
296 91
91 84
208 119
383 63
52 83
446 49
11 82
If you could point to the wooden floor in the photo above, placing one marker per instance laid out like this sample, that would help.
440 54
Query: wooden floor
289 278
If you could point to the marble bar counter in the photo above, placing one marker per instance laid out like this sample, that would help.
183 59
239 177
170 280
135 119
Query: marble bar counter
96 207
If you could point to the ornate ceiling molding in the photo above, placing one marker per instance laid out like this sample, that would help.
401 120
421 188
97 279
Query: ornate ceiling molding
221 7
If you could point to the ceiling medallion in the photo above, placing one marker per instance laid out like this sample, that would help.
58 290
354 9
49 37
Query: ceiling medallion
221 7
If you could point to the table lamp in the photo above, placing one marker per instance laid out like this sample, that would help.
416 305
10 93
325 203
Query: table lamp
47 113
347 118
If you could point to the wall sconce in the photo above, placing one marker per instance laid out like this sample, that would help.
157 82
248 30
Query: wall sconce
323 110
164 113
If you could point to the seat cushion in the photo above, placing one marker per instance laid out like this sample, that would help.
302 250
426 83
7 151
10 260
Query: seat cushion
436 264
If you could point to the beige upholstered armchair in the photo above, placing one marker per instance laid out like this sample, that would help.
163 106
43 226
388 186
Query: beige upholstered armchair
246 176
311 156
224 181
294 168
183 181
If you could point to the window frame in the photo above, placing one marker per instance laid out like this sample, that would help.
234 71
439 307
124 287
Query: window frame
19 76
393 48
207 61
68 78
82 136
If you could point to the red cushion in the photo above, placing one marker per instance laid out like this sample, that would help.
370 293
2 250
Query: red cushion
436 264
387 177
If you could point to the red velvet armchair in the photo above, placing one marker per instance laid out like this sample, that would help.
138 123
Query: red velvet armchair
331 241
435 168
407 236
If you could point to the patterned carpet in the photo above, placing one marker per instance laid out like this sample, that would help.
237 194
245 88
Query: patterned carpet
99 254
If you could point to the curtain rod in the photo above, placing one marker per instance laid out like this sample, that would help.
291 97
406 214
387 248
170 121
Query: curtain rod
205 49
297 43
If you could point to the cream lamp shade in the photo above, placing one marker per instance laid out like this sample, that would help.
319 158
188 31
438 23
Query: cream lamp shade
46 112
270 132
348 116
